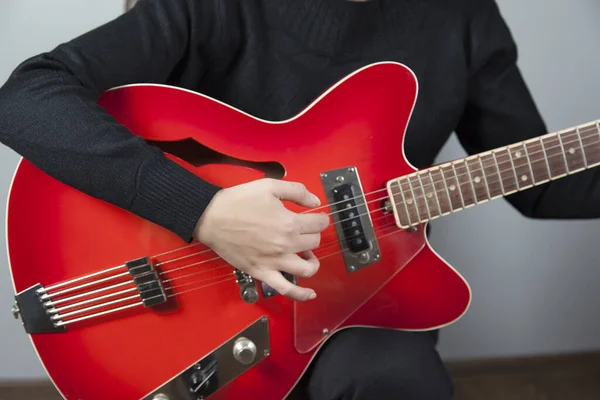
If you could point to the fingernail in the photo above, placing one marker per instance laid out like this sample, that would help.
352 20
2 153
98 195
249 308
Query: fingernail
316 200
312 296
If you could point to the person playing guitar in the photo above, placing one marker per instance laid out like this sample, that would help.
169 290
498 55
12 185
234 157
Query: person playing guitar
271 59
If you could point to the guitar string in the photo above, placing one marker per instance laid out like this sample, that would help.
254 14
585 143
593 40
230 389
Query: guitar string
432 183
130 282
137 304
382 228
371 211
87 317
218 267
320 257
54 303
57 311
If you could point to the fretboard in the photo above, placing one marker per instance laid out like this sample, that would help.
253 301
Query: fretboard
454 186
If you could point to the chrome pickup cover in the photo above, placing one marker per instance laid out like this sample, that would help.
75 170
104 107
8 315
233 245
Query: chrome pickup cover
351 218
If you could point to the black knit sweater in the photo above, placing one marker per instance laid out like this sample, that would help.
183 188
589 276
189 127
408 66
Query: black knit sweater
271 58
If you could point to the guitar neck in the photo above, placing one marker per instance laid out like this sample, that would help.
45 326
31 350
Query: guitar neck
454 186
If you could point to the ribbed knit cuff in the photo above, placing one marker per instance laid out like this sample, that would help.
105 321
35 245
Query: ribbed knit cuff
171 196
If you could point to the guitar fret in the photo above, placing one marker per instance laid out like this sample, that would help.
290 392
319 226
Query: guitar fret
453 191
585 163
424 196
435 194
423 216
410 200
556 157
537 161
471 182
443 182
544 152
499 174
590 138
481 193
429 195
563 152
459 186
487 186
491 173
569 143
408 220
507 171
522 170
533 181
514 169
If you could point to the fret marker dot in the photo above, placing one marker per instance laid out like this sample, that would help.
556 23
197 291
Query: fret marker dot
477 179
430 195
571 151
524 178
408 201
452 187
517 154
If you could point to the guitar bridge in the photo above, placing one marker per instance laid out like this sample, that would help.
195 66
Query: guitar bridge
351 218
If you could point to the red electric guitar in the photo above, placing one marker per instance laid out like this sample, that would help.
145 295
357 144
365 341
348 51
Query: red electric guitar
120 308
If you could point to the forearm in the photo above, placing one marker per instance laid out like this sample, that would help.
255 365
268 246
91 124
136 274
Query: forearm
500 111
572 197
49 114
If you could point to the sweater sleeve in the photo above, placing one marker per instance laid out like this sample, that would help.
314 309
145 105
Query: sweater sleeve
50 116
500 111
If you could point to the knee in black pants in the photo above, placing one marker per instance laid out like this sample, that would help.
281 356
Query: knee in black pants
368 363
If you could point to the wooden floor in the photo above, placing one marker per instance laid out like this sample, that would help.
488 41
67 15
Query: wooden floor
572 377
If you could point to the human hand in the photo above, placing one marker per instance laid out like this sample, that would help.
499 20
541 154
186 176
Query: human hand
250 228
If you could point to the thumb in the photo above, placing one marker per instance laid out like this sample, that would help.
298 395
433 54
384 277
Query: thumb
294 191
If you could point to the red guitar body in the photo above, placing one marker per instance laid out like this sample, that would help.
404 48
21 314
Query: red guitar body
56 234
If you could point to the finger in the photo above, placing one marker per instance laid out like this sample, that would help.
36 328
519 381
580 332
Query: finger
294 191
312 222
302 243
297 266
287 288
309 256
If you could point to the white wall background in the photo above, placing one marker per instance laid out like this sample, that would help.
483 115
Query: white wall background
535 284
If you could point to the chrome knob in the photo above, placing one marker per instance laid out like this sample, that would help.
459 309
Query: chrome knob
244 351
15 311
250 295
160 396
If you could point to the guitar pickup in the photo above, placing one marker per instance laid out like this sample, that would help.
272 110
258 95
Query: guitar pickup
351 218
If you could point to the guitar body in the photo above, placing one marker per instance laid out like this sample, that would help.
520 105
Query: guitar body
56 234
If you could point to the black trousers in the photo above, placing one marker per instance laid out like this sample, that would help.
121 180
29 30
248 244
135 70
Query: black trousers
378 364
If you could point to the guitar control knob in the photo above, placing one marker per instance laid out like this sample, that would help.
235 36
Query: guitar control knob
244 351
250 295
